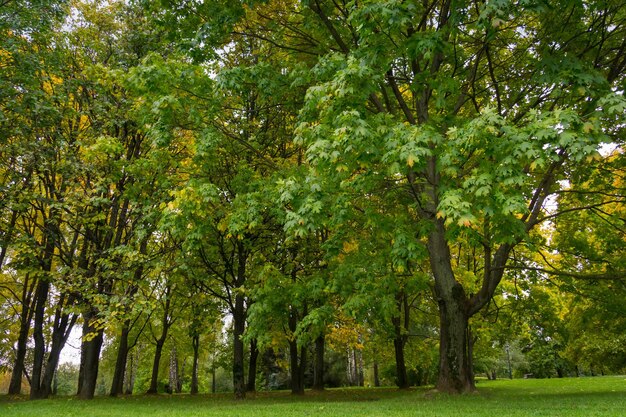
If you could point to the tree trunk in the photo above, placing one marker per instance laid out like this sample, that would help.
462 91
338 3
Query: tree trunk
174 375
400 325
213 379
154 380
318 371
195 342
376 375
252 365
15 386
455 373
401 376
63 325
160 342
131 372
117 386
41 295
90 357
296 359
239 322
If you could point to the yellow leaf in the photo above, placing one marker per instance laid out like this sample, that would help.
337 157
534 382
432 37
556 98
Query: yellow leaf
410 160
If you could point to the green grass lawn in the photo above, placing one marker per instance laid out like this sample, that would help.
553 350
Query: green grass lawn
584 397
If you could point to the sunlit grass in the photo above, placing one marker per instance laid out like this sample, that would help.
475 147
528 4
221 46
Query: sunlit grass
600 396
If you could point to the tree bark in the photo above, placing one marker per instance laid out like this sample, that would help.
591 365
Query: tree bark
15 386
401 324
195 342
166 322
239 320
154 379
455 373
297 358
117 385
130 374
41 295
401 376
318 371
90 356
174 374
376 374
63 325
252 365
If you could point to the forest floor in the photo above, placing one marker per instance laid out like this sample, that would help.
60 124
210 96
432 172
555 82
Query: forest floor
580 397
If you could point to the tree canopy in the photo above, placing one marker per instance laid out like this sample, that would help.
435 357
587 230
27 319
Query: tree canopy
421 186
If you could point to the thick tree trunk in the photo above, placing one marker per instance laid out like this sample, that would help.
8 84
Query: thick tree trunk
90 357
252 365
117 386
455 373
195 342
318 371
239 322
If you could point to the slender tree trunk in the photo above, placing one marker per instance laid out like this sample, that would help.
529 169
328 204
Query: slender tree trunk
213 378
360 368
239 320
252 365
303 367
15 386
117 386
131 372
318 371
41 295
154 380
297 358
160 342
174 379
401 375
6 237
195 342
63 325
376 374
401 324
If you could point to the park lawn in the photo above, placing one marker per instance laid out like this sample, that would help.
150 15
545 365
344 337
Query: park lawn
584 397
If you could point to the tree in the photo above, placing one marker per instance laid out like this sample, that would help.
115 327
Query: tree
468 114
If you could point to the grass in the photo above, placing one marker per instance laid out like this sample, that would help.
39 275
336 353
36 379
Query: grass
584 397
